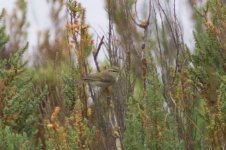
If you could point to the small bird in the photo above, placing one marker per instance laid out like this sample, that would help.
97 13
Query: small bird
104 78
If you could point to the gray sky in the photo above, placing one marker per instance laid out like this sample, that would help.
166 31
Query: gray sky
96 17
37 10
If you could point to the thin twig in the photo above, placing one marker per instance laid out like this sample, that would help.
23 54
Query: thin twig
95 53
143 24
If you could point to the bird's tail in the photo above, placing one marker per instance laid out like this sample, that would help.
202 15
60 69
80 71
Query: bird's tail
77 82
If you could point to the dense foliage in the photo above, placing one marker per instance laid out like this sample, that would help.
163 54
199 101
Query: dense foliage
167 96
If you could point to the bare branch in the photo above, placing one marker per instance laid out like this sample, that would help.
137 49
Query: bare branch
96 52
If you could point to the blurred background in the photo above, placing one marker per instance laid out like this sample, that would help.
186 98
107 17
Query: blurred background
38 18
163 64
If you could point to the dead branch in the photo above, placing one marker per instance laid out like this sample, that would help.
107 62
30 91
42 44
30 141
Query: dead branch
96 52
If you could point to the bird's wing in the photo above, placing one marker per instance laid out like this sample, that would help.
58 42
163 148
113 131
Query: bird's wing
95 77
107 78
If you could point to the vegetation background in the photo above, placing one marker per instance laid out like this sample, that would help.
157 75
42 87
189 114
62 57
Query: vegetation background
167 96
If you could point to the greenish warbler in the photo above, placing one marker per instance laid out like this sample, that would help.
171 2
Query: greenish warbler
104 78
